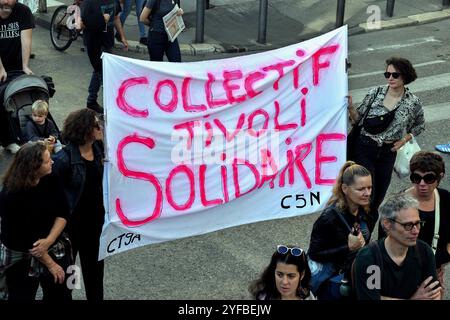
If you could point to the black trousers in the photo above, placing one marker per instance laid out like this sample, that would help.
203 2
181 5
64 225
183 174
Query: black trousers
96 44
87 245
379 160
22 287
158 44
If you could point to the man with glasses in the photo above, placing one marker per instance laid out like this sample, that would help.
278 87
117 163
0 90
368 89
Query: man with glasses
398 266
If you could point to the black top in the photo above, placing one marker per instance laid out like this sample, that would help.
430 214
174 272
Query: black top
329 237
157 14
89 212
92 16
27 216
35 132
20 19
427 232
396 281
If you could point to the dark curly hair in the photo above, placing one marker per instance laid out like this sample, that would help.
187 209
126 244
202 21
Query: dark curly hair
23 173
266 282
427 161
405 68
78 126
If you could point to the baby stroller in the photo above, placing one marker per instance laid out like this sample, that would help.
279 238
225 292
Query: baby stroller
20 94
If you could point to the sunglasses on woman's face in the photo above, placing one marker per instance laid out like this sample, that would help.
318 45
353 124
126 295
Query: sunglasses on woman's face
295 251
429 178
394 75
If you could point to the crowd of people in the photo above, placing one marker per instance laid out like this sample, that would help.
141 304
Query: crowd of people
343 260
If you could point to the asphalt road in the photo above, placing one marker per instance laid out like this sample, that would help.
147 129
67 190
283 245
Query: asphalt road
220 265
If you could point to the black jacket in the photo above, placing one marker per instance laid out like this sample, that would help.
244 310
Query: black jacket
329 237
69 167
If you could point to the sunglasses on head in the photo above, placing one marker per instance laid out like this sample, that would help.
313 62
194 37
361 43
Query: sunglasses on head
295 251
394 75
429 178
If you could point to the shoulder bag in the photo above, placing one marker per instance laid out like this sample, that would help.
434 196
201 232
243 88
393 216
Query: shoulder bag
355 131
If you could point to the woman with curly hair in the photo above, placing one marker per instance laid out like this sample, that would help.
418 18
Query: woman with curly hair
79 167
390 116
33 213
343 227
427 170
285 278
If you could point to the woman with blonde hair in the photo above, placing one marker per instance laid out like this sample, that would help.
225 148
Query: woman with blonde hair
344 226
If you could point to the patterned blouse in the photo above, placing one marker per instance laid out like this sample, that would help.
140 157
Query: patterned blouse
408 117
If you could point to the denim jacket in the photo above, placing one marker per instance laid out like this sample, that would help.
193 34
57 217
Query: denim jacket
69 167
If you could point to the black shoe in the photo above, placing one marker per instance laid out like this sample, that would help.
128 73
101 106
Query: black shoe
95 106
143 41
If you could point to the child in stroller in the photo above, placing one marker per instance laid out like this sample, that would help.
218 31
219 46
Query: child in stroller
39 127
19 96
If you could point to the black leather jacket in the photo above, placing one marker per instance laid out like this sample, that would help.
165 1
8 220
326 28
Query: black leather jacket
329 237
69 167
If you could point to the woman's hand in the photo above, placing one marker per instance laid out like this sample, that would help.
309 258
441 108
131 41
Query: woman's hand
40 247
398 144
355 242
57 272
354 116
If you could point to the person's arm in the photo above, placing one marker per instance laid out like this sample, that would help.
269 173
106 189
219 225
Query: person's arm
55 269
41 246
319 247
52 132
25 40
416 125
355 113
145 16
3 74
119 29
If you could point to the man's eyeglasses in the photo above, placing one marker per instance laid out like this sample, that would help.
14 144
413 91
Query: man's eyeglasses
409 225
429 178
394 75
295 251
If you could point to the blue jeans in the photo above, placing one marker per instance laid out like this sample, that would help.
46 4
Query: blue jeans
158 44
126 9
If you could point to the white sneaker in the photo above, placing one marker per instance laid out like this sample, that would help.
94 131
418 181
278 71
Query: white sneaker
13 148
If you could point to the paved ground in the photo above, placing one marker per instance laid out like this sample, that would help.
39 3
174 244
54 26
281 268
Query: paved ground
232 25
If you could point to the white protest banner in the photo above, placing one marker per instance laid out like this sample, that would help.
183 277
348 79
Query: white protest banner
202 146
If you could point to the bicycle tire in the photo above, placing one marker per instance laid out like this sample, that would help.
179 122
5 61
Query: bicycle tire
60 35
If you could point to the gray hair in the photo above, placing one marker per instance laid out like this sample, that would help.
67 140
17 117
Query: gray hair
392 205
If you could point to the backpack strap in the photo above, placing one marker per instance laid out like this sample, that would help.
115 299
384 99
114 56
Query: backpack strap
341 217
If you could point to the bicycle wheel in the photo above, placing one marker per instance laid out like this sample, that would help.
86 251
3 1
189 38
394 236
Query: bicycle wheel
60 35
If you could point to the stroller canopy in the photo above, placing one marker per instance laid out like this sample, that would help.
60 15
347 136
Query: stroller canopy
28 83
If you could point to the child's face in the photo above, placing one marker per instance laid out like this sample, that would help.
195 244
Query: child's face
39 118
